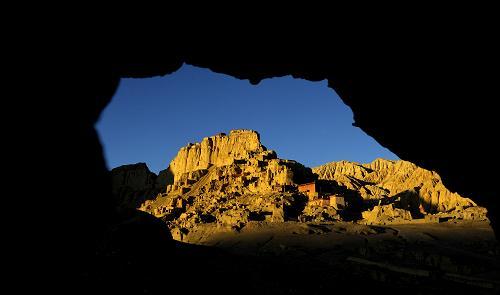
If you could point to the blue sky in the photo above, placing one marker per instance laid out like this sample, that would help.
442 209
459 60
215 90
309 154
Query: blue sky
148 120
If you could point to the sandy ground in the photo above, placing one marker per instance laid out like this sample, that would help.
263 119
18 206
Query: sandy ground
261 237
445 258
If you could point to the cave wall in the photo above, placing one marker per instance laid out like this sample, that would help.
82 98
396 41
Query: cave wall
431 103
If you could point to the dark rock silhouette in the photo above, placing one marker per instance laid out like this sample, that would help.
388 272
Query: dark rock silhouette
133 184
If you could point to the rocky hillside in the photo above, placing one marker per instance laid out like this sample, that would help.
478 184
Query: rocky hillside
385 179
234 163
219 150
230 180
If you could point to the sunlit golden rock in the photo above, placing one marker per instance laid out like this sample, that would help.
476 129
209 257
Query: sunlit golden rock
218 150
384 179
234 163
386 214
231 180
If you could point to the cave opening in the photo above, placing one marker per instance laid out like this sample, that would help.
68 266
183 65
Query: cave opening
299 120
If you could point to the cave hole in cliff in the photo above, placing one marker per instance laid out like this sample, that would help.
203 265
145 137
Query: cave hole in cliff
149 119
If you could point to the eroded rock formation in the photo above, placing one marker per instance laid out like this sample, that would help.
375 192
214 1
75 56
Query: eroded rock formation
419 189
230 180
226 178
218 150
237 161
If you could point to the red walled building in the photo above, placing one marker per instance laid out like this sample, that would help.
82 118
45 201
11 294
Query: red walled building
308 189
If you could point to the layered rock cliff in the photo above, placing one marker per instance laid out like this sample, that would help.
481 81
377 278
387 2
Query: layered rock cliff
218 150
237 162
227 179
385 179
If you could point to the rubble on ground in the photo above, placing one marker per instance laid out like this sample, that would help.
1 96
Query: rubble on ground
386 214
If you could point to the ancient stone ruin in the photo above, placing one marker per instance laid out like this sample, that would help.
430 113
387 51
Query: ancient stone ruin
398 191
230 180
